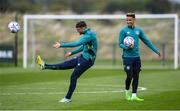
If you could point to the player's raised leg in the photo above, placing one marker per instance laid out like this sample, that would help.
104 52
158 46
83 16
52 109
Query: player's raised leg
69 64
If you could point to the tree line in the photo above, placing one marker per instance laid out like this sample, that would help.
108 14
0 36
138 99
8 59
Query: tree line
84 6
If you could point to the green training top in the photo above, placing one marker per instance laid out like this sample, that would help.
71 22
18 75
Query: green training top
88 45
136 33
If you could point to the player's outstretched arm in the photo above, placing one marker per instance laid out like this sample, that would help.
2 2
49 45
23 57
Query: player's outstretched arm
83 40
149 43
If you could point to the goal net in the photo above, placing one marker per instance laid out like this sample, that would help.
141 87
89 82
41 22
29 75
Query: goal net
41 31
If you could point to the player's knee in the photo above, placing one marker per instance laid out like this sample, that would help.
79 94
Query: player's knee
129 76
137 71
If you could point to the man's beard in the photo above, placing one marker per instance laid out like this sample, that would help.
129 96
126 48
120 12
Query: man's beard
81 33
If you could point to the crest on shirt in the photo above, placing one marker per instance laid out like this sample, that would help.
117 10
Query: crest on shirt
137 32
128 32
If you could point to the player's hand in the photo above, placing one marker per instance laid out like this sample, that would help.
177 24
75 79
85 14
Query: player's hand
56 45
131 46
159 55
68 54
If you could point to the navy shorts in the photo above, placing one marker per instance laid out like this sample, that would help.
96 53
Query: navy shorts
132 64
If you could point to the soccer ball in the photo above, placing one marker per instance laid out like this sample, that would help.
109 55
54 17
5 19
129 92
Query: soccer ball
128 41
14 27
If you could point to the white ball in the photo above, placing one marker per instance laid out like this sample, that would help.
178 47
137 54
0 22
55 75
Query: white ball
14 27
128 41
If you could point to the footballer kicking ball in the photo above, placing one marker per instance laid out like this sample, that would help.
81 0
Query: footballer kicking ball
128 41
14 27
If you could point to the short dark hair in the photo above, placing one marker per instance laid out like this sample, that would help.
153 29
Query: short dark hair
131 15
81 24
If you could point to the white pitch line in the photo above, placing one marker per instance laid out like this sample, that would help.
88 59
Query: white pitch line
58 93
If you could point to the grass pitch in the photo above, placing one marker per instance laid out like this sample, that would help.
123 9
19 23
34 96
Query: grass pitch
97 89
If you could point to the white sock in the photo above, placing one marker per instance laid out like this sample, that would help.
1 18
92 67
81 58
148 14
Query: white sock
133 95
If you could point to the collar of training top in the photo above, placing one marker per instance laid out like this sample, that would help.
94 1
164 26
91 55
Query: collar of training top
86 30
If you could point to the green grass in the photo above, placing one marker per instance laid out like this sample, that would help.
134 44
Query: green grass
33 89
